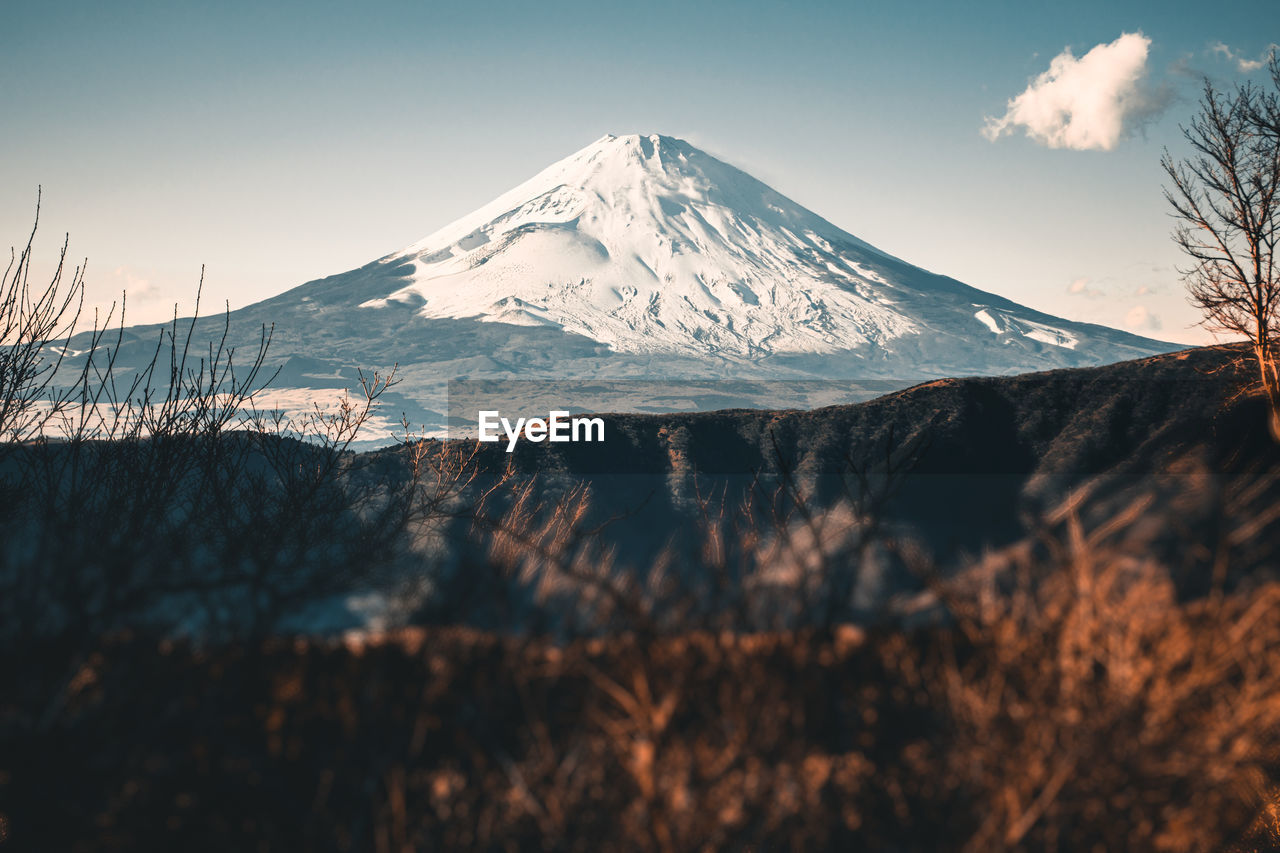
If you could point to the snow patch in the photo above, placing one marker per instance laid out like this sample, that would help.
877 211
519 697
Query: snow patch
1050 335
1039 332
988 321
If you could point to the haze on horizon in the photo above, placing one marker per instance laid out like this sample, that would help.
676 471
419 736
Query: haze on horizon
280 145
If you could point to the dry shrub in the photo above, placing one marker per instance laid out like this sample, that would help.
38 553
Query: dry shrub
1078 697
1090 708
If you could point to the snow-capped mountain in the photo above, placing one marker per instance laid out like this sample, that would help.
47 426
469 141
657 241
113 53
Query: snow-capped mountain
649 245
644 257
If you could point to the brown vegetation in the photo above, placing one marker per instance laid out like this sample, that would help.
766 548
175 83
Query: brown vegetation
1087 709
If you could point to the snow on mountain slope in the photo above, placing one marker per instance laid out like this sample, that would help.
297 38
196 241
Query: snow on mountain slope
648 245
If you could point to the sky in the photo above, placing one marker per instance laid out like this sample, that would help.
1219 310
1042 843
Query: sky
1014 146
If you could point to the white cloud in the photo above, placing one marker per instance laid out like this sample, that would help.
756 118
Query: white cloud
1243 63
1080 287
1085 103
1140 318
140 291
133 284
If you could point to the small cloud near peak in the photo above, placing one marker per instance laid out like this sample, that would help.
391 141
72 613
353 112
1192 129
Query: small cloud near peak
1140 319
1080 287
1086 103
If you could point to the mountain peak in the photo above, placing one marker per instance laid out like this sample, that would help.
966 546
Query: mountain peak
653 139
653 150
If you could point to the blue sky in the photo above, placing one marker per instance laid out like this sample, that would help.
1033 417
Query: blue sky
283 142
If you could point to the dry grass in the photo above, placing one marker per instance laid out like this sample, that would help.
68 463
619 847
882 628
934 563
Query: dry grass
1090 708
